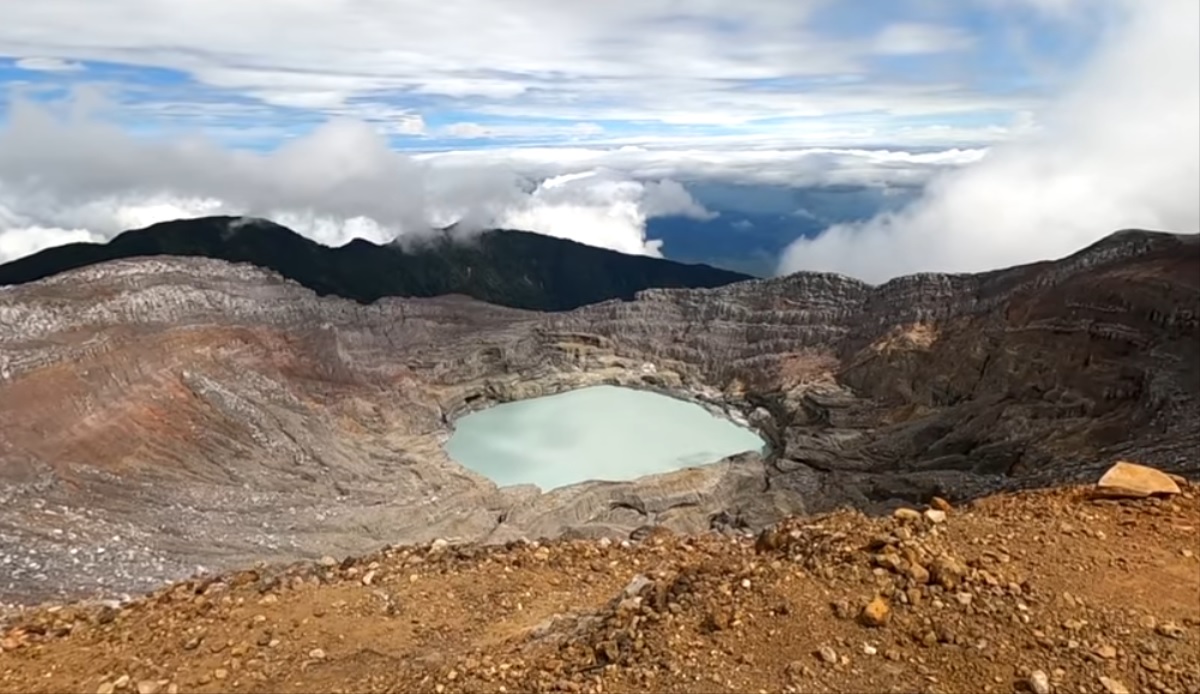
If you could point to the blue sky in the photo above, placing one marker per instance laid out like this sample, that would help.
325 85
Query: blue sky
1004 128
467 74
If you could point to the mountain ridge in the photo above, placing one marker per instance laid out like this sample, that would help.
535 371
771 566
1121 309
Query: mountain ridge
504 267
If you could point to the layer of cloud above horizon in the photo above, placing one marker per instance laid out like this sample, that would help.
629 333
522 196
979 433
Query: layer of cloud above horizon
583 119
1119 149
471 73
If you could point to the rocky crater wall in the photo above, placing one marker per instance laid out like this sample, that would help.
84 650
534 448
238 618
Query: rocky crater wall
163 415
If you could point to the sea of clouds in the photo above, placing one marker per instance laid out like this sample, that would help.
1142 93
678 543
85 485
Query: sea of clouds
71 177
1120 148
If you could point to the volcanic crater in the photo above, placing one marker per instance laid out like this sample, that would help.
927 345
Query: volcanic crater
171 415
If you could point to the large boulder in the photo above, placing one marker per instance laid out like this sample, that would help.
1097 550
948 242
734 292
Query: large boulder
1130 480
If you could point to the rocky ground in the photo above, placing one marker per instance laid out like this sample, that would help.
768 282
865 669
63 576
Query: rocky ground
1050 591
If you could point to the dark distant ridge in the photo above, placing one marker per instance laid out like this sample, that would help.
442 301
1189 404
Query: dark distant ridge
508 268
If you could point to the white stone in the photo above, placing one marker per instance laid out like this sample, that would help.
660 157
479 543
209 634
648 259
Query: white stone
1039 682
1131 480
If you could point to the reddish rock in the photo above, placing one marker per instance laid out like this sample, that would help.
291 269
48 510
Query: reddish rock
940 504
875 613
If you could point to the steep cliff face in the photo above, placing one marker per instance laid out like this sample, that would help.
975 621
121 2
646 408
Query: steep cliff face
166 413
1038 373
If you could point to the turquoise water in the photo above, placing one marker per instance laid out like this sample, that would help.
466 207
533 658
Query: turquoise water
596 433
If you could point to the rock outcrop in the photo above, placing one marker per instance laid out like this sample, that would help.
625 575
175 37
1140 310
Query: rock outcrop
163 415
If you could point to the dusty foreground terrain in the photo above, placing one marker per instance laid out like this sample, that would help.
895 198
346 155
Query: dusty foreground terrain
1038 591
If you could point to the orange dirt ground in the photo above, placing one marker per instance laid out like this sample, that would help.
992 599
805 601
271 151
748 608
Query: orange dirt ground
1040 591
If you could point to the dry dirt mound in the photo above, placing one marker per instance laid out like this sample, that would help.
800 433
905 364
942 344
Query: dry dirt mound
1042 592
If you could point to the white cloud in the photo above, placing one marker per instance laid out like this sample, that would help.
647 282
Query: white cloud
460 48
914 38
762 166
674 103
1120 149
67 175
466 130
29 240
644 60
1114 153
48 65
528 131
596 207
65 178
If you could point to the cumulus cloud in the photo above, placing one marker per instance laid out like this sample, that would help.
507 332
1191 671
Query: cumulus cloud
70 177
67 175
594 207
1119 149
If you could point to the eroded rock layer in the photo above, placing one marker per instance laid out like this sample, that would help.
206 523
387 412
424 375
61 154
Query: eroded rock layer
160 415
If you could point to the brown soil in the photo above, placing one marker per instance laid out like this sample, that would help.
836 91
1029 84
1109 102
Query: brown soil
1050 591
